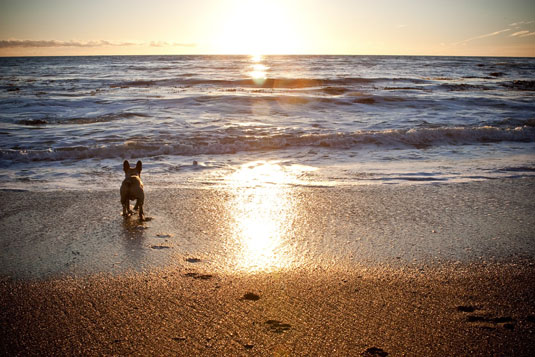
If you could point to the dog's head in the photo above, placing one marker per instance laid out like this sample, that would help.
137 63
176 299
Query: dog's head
132 171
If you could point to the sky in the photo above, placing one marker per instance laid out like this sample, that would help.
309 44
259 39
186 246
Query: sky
346 27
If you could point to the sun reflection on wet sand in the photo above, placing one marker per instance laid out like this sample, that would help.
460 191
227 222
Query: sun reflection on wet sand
262 211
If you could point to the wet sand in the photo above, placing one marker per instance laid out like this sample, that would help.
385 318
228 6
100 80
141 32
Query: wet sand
403 270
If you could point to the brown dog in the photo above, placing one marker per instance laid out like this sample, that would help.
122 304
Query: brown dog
132 189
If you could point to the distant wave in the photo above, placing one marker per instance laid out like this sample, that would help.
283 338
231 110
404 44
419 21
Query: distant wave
521 85
228 142
88 120
283 83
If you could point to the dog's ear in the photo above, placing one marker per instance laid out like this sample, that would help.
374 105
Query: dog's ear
126 165
138 166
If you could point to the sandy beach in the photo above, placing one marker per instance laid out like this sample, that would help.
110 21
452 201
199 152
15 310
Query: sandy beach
363 270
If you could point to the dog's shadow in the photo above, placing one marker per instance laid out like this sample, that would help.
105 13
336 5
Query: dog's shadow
133 228
134 235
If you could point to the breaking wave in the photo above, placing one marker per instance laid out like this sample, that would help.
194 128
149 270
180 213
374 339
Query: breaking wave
233 141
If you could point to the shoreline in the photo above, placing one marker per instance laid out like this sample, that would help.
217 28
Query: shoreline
263 228
266 228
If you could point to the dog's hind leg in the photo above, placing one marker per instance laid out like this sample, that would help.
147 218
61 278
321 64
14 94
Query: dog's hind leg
141 212
139 204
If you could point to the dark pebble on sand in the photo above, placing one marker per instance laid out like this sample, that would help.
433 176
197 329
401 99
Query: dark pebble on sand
374 351
181 338
251 296
193 260
248 346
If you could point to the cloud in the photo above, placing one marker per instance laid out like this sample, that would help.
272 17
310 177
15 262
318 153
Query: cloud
529 34
519 23
519 33
171 44
159 44
100 43
55 43
482 36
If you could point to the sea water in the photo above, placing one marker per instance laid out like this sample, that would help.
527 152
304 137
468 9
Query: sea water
69 122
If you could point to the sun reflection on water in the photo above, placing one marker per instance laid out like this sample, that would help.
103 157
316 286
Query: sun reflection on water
258 70
256 58
262 210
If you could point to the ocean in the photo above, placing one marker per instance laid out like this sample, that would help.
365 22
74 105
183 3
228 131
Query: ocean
69 122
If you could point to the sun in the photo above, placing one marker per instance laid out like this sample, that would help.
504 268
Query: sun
257 27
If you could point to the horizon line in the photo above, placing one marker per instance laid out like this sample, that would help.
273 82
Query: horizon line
272 54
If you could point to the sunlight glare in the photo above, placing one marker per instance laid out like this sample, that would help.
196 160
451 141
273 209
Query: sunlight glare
256 58
257 27
262 210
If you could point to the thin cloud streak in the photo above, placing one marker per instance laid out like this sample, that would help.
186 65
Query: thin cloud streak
519 33
55 43
86 44
521 23
482 36
171 44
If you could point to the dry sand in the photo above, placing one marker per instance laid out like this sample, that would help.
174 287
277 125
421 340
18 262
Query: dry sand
403 270
477 311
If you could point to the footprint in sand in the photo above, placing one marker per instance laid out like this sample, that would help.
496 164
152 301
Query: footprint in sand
160 247
466 308
485 320
164 235
250 296
277 326
198 276
374 351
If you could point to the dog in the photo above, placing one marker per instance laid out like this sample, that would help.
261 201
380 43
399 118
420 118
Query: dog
132 189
